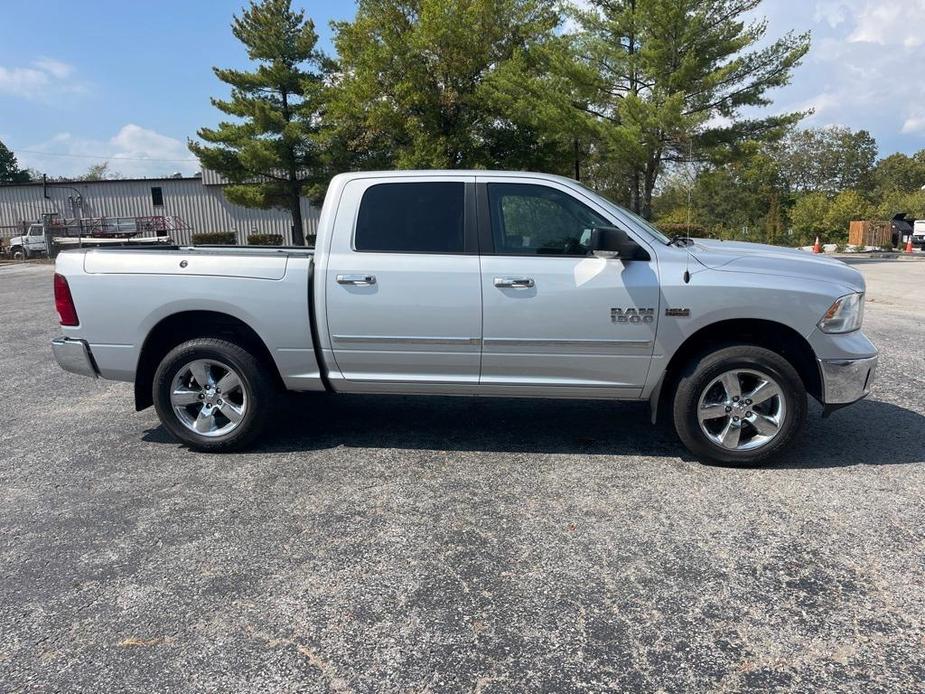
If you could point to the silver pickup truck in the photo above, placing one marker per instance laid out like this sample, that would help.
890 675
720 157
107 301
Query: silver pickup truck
474 283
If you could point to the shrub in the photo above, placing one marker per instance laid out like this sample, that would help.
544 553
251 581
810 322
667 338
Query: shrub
888 246
220 238
265 240
310 240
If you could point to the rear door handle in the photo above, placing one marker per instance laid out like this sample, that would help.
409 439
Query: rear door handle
514 282
357 280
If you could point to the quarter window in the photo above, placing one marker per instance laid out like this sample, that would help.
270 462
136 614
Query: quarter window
537 220
412 218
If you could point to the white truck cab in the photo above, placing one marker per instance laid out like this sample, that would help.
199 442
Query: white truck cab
30 244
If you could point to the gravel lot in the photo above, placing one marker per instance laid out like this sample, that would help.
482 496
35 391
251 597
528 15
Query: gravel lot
386 544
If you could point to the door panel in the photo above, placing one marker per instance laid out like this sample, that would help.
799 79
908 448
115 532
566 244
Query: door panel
420 321
562 331
552 317
405 315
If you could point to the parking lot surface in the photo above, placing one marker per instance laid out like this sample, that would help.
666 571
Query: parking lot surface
437 544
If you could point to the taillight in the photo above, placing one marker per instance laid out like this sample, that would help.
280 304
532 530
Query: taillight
64 302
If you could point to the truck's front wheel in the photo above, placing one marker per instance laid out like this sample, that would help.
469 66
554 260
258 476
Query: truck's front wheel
741 405
211 395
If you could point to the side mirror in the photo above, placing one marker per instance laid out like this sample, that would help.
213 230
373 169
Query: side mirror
612 242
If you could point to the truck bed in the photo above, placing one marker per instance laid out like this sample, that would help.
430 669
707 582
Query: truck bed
125 298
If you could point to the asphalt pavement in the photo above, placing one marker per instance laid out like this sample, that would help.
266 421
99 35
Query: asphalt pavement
439 544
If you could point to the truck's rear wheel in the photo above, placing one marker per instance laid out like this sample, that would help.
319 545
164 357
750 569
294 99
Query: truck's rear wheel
212 395
740 405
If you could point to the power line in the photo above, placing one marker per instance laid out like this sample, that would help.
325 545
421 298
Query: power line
97 157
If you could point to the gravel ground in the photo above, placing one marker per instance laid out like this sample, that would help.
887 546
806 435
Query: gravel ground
398 544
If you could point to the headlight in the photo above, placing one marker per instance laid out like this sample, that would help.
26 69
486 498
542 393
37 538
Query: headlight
844 316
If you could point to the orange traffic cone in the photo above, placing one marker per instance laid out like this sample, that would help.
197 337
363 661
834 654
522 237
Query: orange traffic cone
909 245
817 247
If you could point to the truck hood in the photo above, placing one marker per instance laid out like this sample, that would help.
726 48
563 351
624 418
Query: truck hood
758 258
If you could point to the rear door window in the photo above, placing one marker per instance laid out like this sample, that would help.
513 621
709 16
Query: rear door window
426 217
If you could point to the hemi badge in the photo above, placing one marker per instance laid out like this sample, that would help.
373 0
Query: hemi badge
678 312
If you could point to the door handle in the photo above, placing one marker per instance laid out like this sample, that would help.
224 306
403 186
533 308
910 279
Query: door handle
357 280
514 282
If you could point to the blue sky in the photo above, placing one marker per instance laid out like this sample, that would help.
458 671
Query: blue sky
128 82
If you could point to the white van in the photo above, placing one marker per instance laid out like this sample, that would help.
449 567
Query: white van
918 233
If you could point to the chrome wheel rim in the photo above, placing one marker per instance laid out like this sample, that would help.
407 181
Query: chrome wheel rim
208 397
742 410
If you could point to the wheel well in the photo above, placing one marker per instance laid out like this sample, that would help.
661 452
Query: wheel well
189 325
777 337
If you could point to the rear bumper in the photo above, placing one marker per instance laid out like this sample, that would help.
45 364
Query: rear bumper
845 381
74 356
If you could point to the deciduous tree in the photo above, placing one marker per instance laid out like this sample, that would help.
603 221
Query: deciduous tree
99 172
9 167
829 160
899 172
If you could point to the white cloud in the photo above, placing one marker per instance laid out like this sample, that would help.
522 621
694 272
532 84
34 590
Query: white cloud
832 13
897 22
133 152
55 68
43 79
915 124
823 106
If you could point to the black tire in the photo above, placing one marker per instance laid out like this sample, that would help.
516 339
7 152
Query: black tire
256 384
18 253
704 369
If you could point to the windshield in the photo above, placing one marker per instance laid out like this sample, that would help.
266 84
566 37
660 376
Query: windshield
641 224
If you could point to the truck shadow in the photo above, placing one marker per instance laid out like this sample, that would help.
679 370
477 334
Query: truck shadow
868 433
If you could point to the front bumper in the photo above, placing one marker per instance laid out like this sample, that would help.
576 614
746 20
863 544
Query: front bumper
845 381
74 356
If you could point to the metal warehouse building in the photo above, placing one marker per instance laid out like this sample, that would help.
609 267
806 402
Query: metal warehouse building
198 201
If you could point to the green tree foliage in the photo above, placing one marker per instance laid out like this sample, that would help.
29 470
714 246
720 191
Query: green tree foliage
847 206
420 85
9 167
828 217
827 159
673 76
269 150
896 202
99 172
899 172
808 217
811 183
742 199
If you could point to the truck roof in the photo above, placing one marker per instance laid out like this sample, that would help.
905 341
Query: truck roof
454 172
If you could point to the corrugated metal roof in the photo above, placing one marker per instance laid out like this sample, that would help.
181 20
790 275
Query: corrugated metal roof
102 181
213 178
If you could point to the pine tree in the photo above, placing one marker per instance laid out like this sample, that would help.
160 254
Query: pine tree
270 151
671 77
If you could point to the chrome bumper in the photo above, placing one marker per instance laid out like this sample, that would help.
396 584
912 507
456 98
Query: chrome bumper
74 356
845 381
